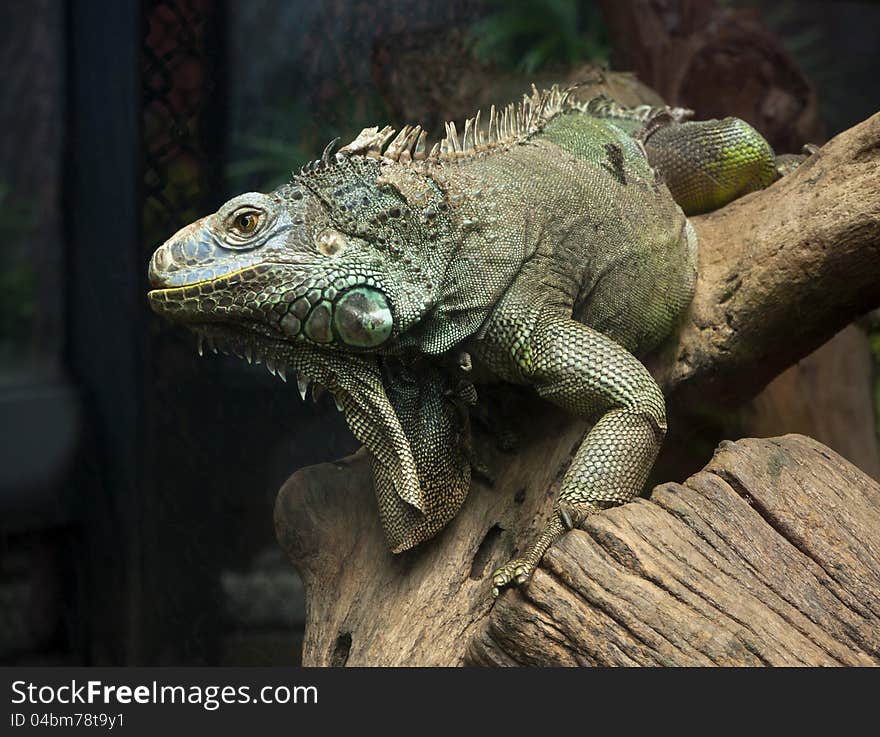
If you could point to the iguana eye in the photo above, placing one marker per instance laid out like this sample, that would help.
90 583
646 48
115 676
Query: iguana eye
246 222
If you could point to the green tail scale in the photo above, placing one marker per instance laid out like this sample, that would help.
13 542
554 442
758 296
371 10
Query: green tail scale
706 164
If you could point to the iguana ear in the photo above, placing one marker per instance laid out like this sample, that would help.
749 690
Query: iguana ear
438 433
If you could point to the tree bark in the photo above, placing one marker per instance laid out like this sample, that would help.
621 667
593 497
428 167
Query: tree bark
764 557
760 559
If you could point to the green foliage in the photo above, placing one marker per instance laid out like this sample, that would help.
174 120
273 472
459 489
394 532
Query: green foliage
292 132
532 34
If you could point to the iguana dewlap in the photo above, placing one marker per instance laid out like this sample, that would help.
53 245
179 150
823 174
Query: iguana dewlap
545 242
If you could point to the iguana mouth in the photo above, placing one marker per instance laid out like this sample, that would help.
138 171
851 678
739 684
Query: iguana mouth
164 294
166 282
281 358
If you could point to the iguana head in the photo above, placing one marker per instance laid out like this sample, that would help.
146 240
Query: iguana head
317 277
273 267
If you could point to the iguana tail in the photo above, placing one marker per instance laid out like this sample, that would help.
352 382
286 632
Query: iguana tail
708 163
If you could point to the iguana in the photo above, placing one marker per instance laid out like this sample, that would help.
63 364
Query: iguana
546 246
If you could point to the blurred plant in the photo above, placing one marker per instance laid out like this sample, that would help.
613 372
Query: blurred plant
293 132
531 34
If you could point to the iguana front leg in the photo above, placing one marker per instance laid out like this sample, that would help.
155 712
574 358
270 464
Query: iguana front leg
587 373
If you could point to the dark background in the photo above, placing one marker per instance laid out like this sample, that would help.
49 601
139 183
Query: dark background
136 479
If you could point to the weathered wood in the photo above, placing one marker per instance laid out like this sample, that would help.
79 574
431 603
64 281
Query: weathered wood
766 557
366 606
781 271
763 558
826 395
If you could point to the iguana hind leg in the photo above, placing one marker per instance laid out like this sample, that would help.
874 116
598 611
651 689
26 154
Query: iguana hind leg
587 373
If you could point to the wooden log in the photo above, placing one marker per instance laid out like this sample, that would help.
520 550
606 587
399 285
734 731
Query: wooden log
780 272
763 558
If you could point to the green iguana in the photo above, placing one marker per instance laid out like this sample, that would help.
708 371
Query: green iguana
546 246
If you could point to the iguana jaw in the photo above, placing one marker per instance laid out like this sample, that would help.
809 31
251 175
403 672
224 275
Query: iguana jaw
281 281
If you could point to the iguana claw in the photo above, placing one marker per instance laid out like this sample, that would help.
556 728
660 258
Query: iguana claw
519 570
516 571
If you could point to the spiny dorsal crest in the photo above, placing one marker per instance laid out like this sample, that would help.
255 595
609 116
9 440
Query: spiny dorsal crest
603 106
512 124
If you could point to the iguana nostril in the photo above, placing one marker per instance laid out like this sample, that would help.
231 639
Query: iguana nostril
176 252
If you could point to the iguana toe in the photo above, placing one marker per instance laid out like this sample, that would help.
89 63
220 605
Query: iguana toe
516 572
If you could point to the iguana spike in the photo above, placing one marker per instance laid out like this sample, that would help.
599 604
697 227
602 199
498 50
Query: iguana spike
397 145
452 135
467 139
328 150
382 138
412 138
369 142
506 125
361 141
419 151
406 153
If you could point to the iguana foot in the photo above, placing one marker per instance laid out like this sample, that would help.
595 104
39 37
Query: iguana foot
787 163
567 516
516 571
519 570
